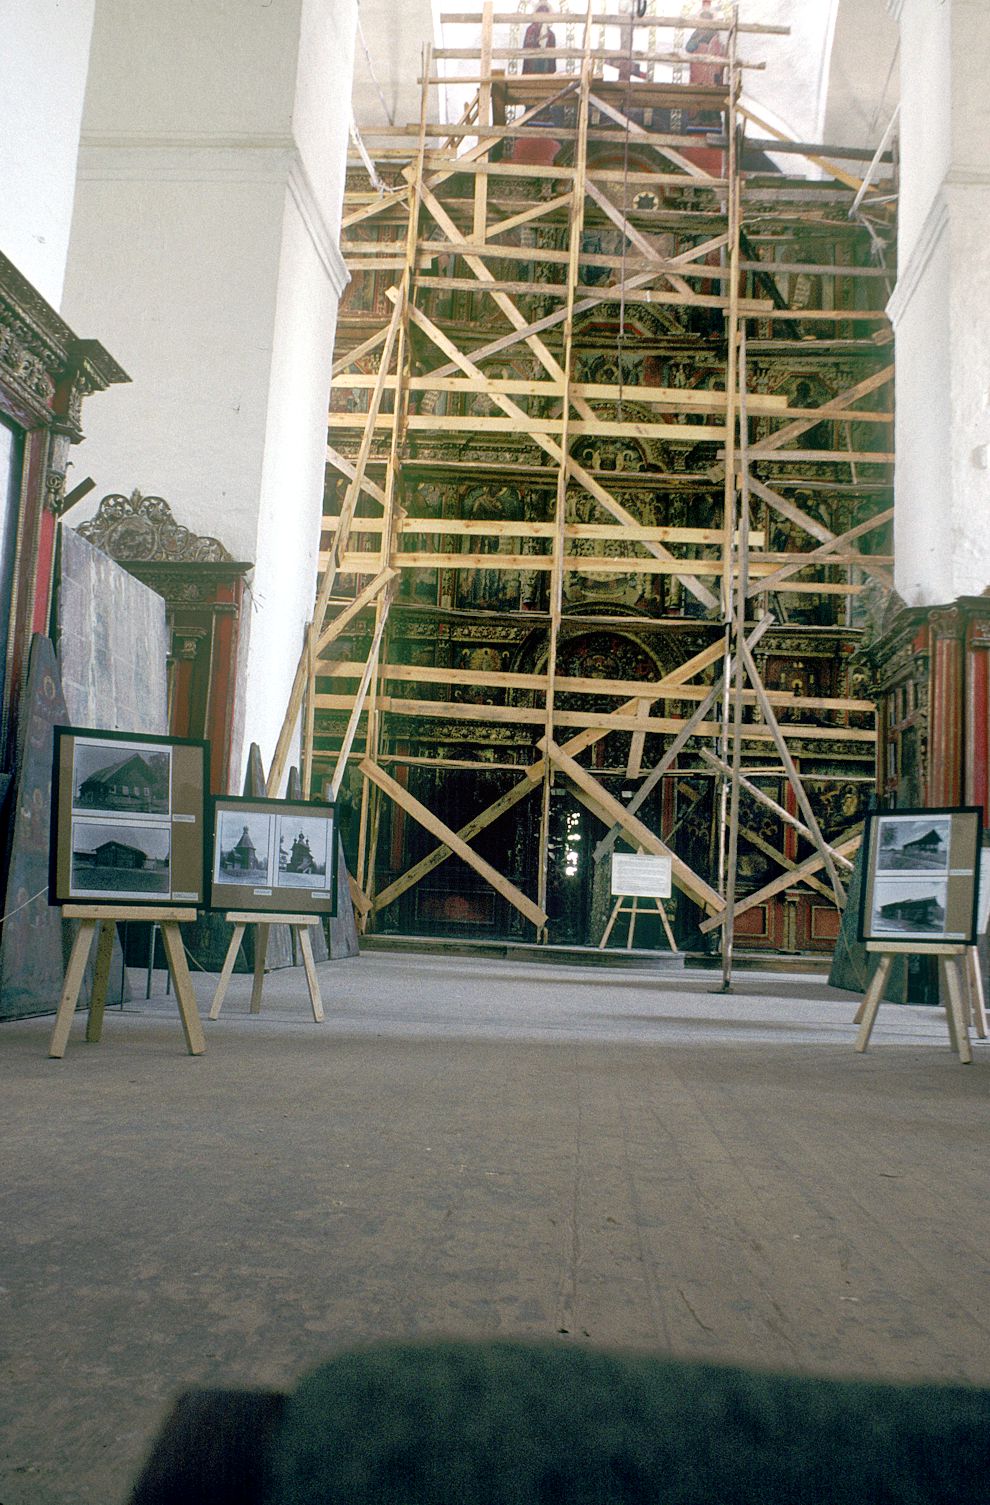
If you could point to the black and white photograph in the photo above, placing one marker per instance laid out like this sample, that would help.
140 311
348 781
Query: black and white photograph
303 851
908 844
121 778
242 853
113 860
910 908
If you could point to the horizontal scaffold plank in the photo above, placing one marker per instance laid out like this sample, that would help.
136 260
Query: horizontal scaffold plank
575 564
437 160
675 399
615 18
706 400
583 564
815 456
586 564
629 263
574 685
753 307
452 710
822 315
566 54
684 433
504 528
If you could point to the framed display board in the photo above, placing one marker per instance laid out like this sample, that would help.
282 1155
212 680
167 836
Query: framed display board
921 874
273 855
128 818
639 875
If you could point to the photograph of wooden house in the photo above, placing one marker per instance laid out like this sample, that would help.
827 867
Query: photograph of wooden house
910 909
910 844
117 861
117 776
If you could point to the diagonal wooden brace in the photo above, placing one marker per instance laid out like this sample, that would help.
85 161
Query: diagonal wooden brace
433 824
641 836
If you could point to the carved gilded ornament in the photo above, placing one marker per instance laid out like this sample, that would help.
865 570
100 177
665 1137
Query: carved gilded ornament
137 527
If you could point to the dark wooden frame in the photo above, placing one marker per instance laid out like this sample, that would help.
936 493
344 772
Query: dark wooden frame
261 898
959 817
60 856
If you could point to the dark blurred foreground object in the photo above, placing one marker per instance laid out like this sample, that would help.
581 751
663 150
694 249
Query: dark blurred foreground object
531 1424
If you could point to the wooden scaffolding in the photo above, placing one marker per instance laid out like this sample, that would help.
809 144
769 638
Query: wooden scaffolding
608 373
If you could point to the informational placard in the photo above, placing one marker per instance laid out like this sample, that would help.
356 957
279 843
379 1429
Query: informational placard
641 876
921 877
128 818
275 855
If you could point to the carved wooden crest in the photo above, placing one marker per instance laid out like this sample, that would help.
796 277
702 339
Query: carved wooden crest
136 527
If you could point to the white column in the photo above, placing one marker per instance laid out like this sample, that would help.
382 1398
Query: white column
44 56
205 250
939 308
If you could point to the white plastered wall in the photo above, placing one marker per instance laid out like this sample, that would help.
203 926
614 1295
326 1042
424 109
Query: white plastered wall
942 322
205 250
395 35
45 48
790 91
863 76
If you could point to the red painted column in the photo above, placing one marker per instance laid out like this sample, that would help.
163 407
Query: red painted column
977 788
226 611
945 742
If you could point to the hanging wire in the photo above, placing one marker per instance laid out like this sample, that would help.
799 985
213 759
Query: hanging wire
374 77
886 85
370 168
24 905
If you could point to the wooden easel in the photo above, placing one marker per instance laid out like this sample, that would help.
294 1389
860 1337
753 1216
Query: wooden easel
104 917
963 997
633 912
300 925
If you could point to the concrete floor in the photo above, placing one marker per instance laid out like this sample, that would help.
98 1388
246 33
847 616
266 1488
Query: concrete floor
475 1148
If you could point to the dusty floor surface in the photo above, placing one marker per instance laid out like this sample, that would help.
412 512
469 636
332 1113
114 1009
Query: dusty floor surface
474 1148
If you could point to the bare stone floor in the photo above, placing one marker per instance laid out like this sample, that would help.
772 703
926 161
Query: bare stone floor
474 1148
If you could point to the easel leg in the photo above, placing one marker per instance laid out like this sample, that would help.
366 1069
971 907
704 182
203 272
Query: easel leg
611 924
70 988
977 1000
632 923
228 969
666 925
306 947
260 948
945 998
955 1009
101 980
871 1002
184 995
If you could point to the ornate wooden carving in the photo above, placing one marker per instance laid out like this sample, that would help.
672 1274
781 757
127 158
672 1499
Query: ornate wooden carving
46 372
136 527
